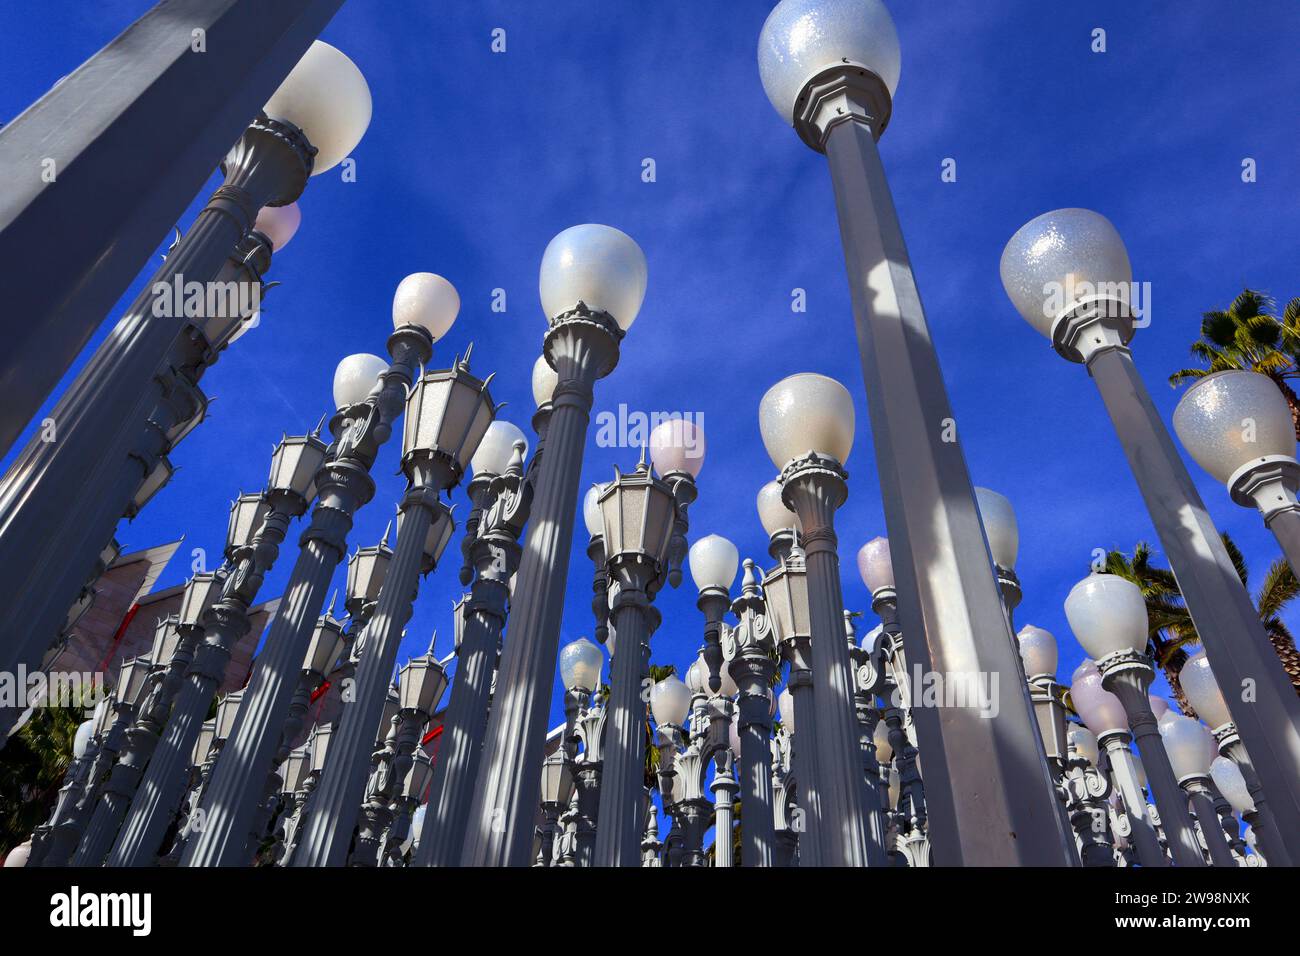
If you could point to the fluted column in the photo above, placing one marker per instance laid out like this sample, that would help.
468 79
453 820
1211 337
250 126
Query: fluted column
1143 835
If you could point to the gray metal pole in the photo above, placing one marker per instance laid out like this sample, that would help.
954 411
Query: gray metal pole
1224 616
1144 837
343 485
948 596
1276 850
1216 841
581 346
1285 526
150 116
724 794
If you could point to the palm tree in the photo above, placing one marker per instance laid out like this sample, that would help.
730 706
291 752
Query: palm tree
1249 336
31 771
1171 630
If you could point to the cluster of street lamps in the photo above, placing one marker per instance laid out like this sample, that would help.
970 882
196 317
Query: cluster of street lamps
896 732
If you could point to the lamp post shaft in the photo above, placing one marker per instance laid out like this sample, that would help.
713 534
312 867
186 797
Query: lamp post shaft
1224 616
949 603
1285 526
66 835
804 760
1276 850
758 821
1216 841
1122 770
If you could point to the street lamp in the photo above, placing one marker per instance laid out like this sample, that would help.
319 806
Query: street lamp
1003 533
780 523
592 281
677 453
829 67
1237 426
1068 274
714 561
1039 654
1191 749
1105 716
807 424
1108 615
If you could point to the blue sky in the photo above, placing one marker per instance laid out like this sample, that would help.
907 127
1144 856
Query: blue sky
475 159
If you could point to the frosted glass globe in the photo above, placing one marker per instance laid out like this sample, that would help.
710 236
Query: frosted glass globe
1202 690
580 664
713 562
426 300
81 742
785 704
1107 614
999 520
1056 252
595 264
670 701
697 678
18 856
545 379
1037 650
279 224
355 376
875 565
497 448
677 445
326 97
1084 741
1101 710
1190 746
806 412
1228 419
733 734
1159 706
1227 777
801 38
591 514
729 687
772 512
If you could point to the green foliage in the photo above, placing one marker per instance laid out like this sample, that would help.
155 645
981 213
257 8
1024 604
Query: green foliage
32 766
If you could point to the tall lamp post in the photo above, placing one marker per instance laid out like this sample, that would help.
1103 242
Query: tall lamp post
713 562
829 68
1227 776
1191 749
807 426
1109 617
592 282
1068 274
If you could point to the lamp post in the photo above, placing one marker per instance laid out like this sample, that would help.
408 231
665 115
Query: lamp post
1203 693
1068 274
868 670
580 666
677 453
557 789
447 416
807 426
681 767
596 551
492 547
257 527
638 511
1087 791
1003 534
592 283
311 123
713 563
367 411
1237 426
1109 617
1191 748
1105 716
1230 781
85 744
1038 653
829 68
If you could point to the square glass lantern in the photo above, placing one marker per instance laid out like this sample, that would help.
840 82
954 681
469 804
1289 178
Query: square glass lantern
786 590
201 592
294 465
153 483
637 513
447 413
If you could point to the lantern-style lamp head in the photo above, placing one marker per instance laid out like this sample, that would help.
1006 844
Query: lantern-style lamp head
786 590
367 569
557 780
1038 651
355 377
326 97
1101 710
320 746
670 702
497 448
427 301
328 642
201 592
580 663
154 482
227 710
1235 421
772 511
439 535
416 786
803 413
1061 261
714 561
294 465
447 415
545 379
166 636
1190 746
296 768
597 265
247 514
803 38
203 745
677 447
1084 741
131 676
1228 778
999 520
1202 690
421 683
875 565
1108 615
637 514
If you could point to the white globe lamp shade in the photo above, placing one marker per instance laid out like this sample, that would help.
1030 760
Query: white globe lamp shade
591 515
772 512
733 734
1159 706
677 445
729 687
497 448
1228 778
355 376
597 265
279 224
697 678
580 664
1202 690
806 412
1101 710
875 565
1190 746
1107 614
785 704
670 701
326 97
1056 254
428 301
81 741
1038 651
801 38
1229 419
1084 741
713 561
545 379
999 520
18 856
